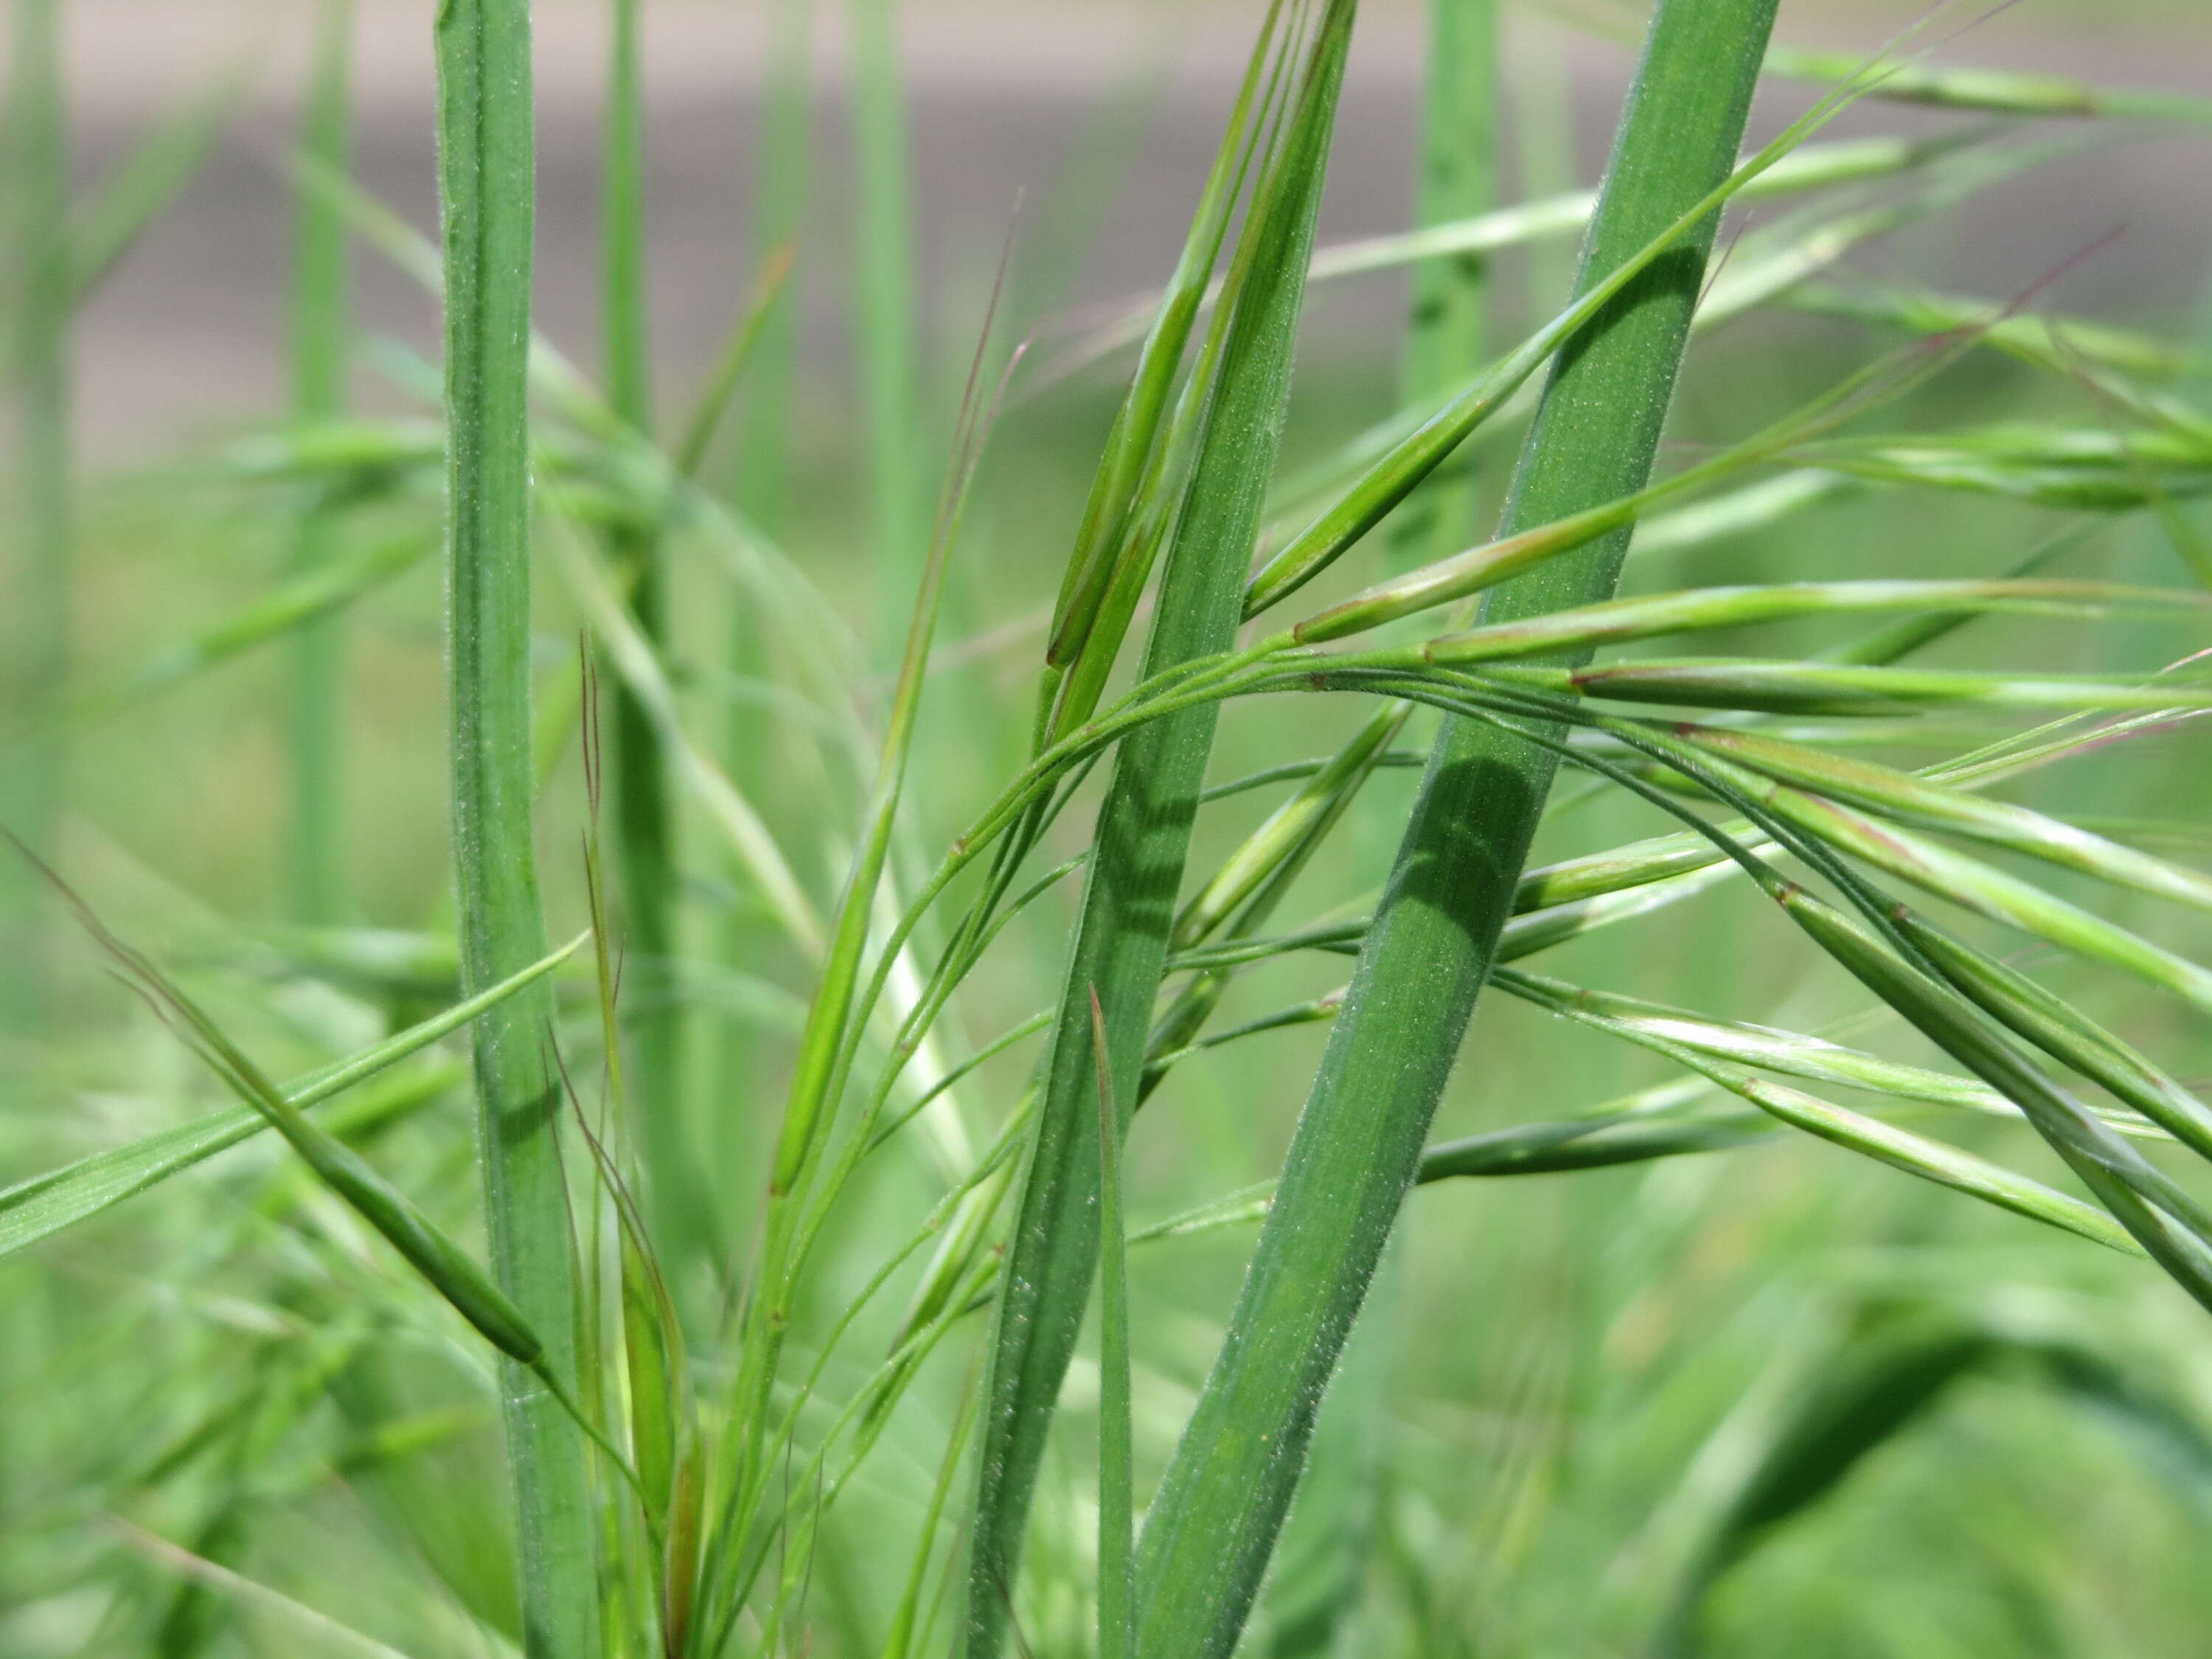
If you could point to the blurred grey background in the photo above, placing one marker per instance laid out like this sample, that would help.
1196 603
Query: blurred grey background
1104 112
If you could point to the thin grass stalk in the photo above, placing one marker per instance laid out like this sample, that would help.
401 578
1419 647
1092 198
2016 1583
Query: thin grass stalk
883 303
38 136
1443 342
320 304
1116 1483
487 167
644 820
1142 835
1213 1527
761 474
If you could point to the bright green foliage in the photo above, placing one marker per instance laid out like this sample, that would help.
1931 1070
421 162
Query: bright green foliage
1819 1205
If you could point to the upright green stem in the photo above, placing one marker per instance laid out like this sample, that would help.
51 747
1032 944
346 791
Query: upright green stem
622 226
1443 342
1116 1483
644 828
38 136
884 271
1214 1523
488 176
320 303
761 486
782 181
1332 1535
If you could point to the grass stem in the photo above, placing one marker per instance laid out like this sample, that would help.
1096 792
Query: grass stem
487 166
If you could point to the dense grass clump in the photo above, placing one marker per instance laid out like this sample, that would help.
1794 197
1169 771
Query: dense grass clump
1125 879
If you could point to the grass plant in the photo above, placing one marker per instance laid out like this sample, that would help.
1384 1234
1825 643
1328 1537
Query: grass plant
1751 1139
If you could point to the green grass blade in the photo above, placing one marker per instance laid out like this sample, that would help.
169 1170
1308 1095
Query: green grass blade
735 815
2036 337
624 343
325 1633
487 171
749 332
816 1072
2166 1220
1313 1600
1213 1527
1121 936
1443 342
1801 688
1395 473
1657 615
425 1248
2171 1224
301 602
1791 1053
829 1036
320 307
1884 1143
884 301
2004 92
1478 569
1932 1160
644 823
37 1208
1116 1475
1984 889
759 479
1594 1143
1930 805
2063 1032
1814 166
